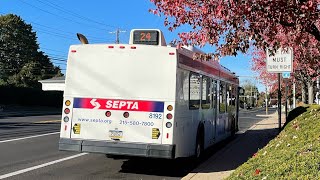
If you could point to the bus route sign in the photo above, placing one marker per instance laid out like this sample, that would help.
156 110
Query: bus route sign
281 61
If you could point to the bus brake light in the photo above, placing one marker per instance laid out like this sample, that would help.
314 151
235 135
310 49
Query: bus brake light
108 113
125 114
169 116
66 110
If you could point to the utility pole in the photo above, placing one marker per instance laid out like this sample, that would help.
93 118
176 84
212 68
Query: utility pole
318 89
294 94
279 102
117 32
266 101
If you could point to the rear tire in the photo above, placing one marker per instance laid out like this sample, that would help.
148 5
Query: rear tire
199 149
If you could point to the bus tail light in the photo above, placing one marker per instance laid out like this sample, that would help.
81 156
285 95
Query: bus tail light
125 114
110 47
168 124
108 113
66 110
66 119
169 116
67 103
122 47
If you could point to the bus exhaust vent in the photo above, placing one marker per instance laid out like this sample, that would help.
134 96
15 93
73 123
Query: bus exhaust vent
82 39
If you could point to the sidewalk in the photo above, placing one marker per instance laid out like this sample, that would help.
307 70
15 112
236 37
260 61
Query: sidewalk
238 151
18 111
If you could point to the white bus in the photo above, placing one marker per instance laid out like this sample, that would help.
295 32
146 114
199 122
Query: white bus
145 99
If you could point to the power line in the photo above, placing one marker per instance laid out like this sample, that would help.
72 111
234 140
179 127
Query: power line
56 35
55 55
54 50
67 33
65 36
55 6
69 20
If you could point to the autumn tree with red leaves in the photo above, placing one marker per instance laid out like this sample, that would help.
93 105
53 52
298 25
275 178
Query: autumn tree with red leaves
232 25
235 26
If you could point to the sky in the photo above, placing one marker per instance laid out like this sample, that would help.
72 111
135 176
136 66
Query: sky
56 23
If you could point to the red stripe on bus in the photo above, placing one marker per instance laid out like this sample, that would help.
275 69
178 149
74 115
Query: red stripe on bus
206 67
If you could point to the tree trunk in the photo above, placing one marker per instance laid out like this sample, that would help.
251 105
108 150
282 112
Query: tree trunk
310 92
303 93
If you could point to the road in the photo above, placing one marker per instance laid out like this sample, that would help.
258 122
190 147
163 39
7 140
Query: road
38 157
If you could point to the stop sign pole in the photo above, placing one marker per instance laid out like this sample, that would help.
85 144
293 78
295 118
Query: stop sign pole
280 62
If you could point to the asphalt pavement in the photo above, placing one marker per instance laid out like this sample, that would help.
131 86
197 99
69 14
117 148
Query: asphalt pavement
29 150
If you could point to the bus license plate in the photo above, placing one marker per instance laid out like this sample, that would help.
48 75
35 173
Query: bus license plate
115 134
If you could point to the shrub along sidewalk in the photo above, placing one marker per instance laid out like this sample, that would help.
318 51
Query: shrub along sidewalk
293 154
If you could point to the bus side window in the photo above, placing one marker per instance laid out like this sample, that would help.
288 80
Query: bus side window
205 99
194 91
230 106
214 95
223 98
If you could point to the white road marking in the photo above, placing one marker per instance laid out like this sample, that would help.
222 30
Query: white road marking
40 166
28 137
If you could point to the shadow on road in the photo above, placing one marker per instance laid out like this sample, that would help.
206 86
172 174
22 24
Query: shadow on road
173 168
238 151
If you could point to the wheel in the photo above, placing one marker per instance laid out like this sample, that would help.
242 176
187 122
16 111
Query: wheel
199 150
199 146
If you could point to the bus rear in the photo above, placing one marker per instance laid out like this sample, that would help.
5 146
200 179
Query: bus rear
119 100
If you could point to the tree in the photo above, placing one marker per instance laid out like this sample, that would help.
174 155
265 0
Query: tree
251 93
234 26
21 62
231 25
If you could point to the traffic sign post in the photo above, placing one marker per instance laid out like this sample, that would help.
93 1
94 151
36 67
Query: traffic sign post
286 76
280 62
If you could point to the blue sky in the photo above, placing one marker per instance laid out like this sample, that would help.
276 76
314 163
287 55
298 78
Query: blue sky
56 23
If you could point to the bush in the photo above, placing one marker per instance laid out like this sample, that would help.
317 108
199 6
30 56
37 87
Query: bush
29 97
293 154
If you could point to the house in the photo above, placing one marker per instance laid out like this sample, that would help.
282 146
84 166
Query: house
53 84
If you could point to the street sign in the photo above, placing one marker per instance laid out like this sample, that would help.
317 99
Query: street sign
286 75
281 61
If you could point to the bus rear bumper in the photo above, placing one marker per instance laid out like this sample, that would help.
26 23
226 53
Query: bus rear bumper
166 151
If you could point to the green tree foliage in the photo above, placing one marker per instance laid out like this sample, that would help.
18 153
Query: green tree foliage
21 62
251 93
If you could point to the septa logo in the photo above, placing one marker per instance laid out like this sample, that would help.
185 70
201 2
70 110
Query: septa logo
117 104
95 104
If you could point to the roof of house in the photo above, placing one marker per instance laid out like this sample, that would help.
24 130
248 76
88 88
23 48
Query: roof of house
54 80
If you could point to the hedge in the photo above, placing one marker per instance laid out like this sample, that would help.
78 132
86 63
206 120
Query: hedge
30 97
